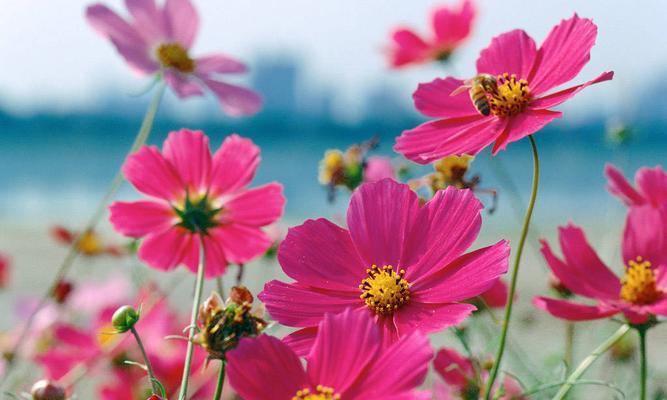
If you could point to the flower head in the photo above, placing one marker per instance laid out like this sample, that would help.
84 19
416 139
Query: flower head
451 27
353 367
196 196
158 39
400 262
508 98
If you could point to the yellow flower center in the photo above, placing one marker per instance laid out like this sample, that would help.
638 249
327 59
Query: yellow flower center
385 290
639 284
321 393
173 55
510 97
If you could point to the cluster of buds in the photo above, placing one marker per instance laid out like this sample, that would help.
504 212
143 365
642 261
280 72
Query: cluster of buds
223 324
47 390
88 244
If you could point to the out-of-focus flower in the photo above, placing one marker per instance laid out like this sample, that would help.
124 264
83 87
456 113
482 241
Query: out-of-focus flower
639 295
559 288
617 133
90 244
349 366
197 198
5 267
650 186
62 291
222 325
47 390
508 98
403 262
277 233
451 27
158 39
378 168
496 295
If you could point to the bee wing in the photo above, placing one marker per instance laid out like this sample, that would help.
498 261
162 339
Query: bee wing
466 86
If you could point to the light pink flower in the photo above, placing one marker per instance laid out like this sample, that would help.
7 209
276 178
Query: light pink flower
196 195
399 261
5 267
378 168
642 291
158 39
518 107
451 27
351 366
650 186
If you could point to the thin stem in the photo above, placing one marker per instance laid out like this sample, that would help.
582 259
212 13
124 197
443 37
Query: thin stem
220 286
569 344
72 252
199 285
239 274
643 364
515 270
601 349
147 362
221 381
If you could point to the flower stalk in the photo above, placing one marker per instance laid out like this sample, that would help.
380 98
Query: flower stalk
155 385
515 270
641 330
221 381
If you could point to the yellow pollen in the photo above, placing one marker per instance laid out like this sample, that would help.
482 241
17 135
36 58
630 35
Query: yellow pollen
384 291
510 97
639 285
89 244
173 55
321 393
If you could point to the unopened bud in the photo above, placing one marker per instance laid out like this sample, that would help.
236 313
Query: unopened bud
62 291
124 319
47 390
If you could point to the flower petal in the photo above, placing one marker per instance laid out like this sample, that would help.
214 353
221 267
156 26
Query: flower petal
149 21
572 311
181 84
319 253
183 21
140 218
435 99
513 52
427 318
264 368
256 207
621 188
452 26
407 48
241 243
153 175
218 64
234 165
524 124
301 341
554 99
563 54
188 151
652 182
645 235
235 100
455 369
166 250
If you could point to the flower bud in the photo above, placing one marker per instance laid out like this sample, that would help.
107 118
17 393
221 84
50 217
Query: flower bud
47 390
124 319
62 291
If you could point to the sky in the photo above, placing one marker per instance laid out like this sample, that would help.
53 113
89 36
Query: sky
52 60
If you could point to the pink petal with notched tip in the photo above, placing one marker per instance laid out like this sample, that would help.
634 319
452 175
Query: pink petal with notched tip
621 188
258 206
140 218
645 235
573 311
524 124
235 100
234 165
188 152
435 99
407 48
452 26
153 175
149 20
182 85
428 318
652 182
554 99
563 54
513 52
166 250
182 21
218 64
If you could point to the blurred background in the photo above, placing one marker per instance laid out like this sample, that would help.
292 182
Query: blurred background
70 107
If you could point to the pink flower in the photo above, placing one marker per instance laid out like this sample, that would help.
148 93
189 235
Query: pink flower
400 262
496 296
158 39
651 186
350 366
641 292
378 168
451 27
4 271
513 103
198 196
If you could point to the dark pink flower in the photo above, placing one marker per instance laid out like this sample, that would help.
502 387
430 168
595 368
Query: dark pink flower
158 39
399 261
351 366
517 103
641 292
196 195
650 186
451 27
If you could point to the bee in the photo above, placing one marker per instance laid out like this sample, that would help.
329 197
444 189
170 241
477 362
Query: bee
479 87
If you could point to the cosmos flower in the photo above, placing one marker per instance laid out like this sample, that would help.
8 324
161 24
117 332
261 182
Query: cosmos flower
198 196
516 100
639 294
451 27
400 262
650 186
351 367
158 39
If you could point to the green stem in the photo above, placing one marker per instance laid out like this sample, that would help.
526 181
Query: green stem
515 270
569 345
221 382
147 362
199 285
643 364
72 252
601 349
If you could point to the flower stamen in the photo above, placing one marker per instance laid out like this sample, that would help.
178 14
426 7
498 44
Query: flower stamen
173 55
511 96
385 290
321 393
639 283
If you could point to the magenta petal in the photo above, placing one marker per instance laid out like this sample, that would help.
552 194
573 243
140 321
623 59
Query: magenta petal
554 99
524 124
512 52
218 64
338 361
183 21
380 217
455 369
188 151
468 276
256 207
153 175
149 20
496 296
215 253
428 318
621 188
321 254
235 100
140 218
652 182
645 235
453 26
264 368
241 243
446 227
181 84
408 48
572 311
563 54
293 304
234 165
166 250
659 307
301 341
435 99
